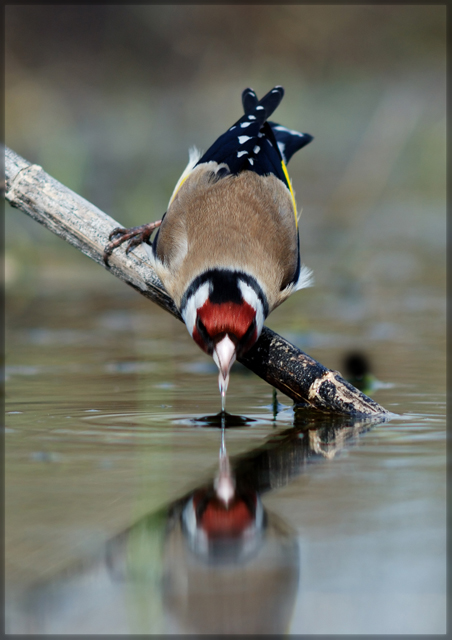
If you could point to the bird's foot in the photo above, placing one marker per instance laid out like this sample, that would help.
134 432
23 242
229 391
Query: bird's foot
135 235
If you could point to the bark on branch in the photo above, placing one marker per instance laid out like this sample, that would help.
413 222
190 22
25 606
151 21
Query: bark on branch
84 226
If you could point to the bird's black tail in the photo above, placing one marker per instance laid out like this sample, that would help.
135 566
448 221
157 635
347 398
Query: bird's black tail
267 104
255 144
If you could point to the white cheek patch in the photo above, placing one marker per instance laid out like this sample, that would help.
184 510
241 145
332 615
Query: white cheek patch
251 297
195 301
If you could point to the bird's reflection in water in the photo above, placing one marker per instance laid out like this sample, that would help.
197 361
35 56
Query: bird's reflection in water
214 561
224 523
232 567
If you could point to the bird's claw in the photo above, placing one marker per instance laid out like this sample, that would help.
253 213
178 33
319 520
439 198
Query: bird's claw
135 235
117 231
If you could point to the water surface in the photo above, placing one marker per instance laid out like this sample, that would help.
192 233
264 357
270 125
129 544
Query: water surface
339 525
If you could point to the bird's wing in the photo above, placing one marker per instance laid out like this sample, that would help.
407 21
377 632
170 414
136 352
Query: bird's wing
254 144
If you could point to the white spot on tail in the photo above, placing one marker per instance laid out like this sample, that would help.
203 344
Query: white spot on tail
245 124
256 149
241 153
243 139
281 147
294 133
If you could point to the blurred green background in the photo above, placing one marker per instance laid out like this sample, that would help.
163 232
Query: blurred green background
108 99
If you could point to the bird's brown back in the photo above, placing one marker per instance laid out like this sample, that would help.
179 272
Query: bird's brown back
244 222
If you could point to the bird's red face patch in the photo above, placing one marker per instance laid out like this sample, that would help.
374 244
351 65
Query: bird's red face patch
218 520
216 320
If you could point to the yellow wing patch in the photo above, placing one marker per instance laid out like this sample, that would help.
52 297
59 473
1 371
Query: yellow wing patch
178 186
194 156
284 168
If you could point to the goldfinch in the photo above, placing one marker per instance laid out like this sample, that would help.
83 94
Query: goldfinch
227 249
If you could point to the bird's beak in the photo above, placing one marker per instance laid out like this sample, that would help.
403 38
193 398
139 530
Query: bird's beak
224 356
224 483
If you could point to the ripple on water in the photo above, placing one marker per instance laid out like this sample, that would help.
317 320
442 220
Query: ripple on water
223 419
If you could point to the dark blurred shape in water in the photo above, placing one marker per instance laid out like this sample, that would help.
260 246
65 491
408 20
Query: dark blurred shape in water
357 371
356 365
223 419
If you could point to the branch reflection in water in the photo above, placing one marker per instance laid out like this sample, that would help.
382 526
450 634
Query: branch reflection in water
214 561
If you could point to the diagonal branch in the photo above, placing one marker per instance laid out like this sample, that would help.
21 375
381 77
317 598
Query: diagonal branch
84 226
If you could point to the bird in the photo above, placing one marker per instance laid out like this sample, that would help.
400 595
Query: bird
227 249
